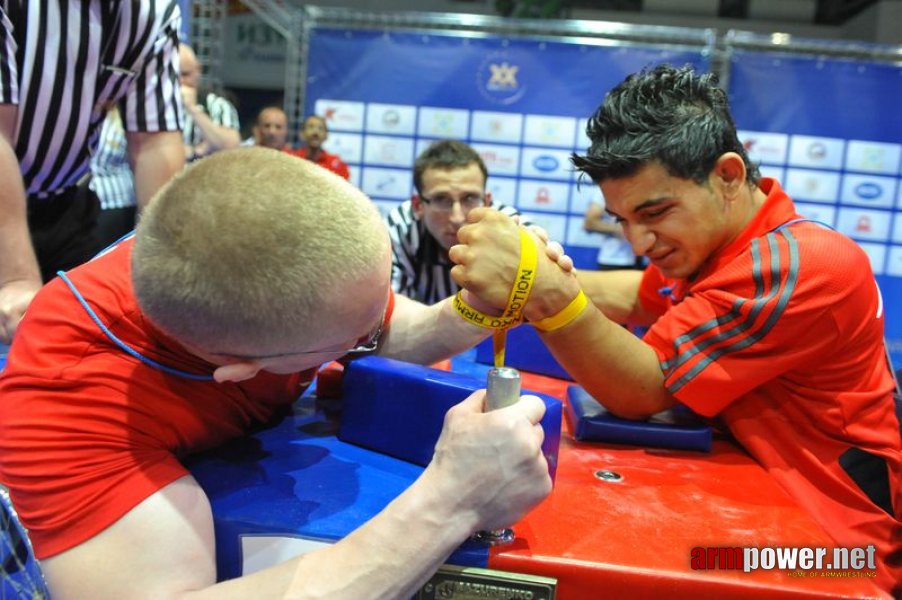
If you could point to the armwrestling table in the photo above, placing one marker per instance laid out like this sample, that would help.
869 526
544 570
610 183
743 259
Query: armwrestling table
295 486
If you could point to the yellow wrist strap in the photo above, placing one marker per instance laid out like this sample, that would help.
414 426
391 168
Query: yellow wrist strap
526 276
513 313
471 315
565 316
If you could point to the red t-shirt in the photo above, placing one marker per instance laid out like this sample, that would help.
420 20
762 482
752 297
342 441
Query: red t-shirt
87 431
781 335
328 161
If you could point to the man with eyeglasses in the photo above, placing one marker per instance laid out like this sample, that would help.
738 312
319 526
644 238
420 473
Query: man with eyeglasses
213 319
450 178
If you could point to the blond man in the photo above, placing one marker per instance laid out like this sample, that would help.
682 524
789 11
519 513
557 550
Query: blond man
234 289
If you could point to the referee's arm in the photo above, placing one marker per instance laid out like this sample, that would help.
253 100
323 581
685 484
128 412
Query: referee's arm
20 277
155 157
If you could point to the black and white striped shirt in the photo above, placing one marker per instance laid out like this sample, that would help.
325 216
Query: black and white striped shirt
111 173
65 62
221 111
420 266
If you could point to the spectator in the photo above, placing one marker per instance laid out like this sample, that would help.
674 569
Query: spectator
113 182
230 317
210 125
449 178
86 56
615 251
758 316
271 129
314 133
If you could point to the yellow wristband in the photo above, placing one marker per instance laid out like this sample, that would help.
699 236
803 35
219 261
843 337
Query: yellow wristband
512 315
471 315
526 276
565 316
519 294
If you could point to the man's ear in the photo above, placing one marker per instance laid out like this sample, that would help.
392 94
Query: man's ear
418 206
239 371
730 171
488 199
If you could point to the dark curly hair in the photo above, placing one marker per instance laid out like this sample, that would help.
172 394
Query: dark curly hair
673 116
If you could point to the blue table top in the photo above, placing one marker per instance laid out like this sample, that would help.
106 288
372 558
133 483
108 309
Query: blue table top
299 480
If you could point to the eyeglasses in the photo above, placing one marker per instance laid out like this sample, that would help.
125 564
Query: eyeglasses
371 342
444 203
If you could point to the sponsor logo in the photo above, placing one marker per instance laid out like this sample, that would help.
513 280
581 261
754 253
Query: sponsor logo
543 196
494 160
817 151
546 163
391 118
443 123
868 191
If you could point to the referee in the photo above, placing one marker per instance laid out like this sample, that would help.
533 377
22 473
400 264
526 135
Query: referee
450 180
63 64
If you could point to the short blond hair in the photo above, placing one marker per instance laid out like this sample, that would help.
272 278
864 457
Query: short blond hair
247 250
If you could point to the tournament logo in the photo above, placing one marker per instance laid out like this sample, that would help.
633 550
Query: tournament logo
498 79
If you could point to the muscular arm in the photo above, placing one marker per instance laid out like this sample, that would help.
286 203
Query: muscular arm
20 277
488 470
615 367
426 334
155 157
616 294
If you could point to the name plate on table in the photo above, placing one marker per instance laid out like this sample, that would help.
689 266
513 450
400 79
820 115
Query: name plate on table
471 583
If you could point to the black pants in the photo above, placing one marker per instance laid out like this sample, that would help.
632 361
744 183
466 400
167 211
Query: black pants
113 223
63 229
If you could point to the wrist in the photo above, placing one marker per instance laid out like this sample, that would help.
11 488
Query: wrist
550 301
447 507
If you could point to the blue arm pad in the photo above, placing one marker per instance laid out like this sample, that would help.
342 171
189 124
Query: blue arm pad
525 351
676 428
398 408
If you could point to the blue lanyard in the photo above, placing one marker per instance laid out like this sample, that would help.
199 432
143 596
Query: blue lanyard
125 347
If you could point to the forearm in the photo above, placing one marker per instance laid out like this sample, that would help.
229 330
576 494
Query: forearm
216 137
155 159
617 368
390 556
17 258
616 293
426 334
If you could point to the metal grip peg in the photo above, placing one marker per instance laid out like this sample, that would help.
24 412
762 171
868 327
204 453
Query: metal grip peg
502 389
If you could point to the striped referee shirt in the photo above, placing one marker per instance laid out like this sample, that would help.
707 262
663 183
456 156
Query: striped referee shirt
65 62
420 266
111 173
221 111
